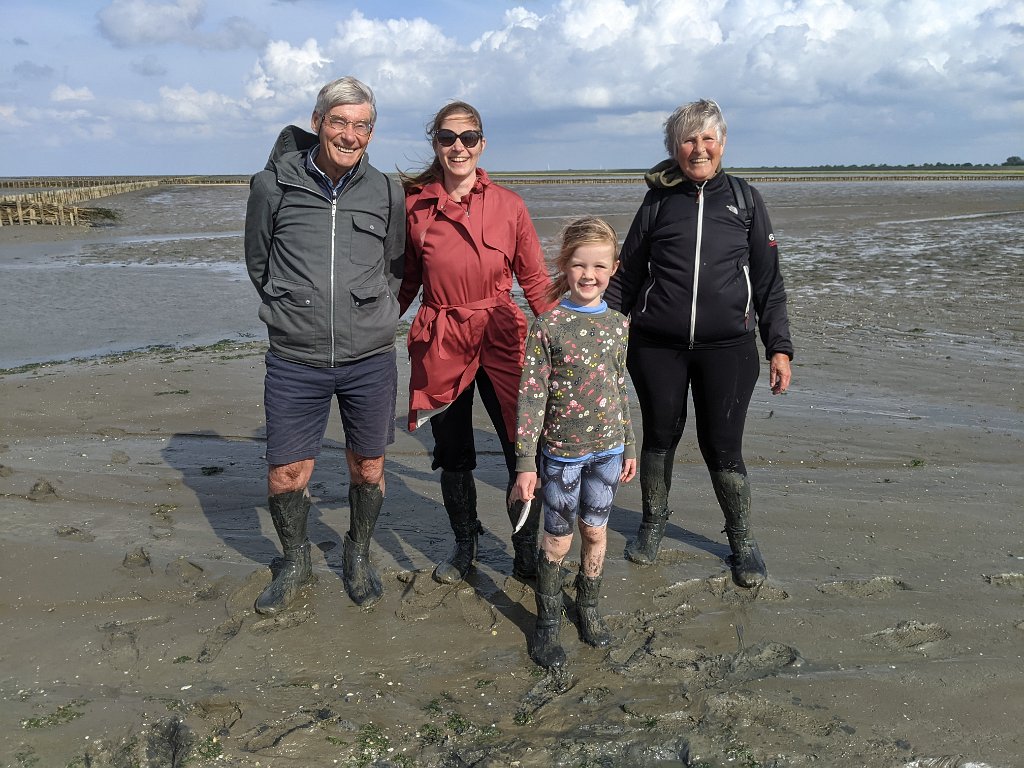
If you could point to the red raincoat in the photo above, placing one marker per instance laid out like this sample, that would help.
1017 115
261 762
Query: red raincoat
464 255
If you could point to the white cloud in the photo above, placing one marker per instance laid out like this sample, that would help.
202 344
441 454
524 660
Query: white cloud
134 22
66 93
590 25
289 72
361 37
186 105
505 38
10 118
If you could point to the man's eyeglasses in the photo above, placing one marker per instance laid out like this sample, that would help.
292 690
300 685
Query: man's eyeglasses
339 124
469 139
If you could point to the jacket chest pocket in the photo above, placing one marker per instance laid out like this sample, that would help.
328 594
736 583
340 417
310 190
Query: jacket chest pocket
366 246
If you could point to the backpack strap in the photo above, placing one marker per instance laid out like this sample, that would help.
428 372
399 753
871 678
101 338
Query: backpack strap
744 200
649 212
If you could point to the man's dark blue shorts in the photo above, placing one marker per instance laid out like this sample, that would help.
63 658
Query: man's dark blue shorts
297 399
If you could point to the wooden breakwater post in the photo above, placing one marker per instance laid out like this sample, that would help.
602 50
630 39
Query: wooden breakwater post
57 206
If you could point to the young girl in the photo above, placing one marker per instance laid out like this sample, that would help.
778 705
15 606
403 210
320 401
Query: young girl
572 400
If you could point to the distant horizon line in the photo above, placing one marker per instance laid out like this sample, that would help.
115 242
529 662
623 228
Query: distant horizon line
990 168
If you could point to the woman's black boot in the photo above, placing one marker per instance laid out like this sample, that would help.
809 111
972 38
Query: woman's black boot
746 563
655 482
458 491
524 545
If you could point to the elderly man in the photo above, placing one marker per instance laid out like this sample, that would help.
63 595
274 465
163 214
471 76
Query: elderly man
324 244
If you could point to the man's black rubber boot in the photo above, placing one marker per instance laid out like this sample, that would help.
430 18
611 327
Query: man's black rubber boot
458 491
746 563
289 511
655 483
362 582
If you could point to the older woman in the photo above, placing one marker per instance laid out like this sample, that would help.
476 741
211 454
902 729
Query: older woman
700 271
467 237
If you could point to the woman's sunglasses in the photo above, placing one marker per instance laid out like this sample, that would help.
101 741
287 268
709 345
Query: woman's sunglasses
469 139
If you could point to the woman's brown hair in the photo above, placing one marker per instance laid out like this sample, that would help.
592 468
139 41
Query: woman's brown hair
433 172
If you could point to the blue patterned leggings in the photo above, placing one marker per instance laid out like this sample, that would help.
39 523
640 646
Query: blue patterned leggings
587 486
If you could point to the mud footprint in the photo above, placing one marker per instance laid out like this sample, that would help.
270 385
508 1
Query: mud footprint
222 635
286 620
718 587
878 586
477 612
269 735
73 533
763 660
162 526
908 634
121 649
667 557
422 595
742 707
43 490
137 562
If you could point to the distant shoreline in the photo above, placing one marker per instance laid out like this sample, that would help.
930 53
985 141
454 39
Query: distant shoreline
15 185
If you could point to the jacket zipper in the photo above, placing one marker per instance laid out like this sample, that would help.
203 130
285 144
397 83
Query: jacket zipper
750 297
330 324
696 262
650 274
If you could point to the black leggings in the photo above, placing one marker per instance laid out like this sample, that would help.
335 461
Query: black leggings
454 444
721 381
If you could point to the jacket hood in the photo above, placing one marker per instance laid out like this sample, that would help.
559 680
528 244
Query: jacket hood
668 174
291 139
664 175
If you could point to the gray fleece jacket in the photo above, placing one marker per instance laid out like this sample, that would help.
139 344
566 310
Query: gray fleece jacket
327 271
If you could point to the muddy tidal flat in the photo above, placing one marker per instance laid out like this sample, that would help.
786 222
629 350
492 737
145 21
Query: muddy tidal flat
887 501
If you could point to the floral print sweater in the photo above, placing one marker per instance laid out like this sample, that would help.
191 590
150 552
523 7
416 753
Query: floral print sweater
572 394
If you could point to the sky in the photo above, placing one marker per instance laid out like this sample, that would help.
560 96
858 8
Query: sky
139 87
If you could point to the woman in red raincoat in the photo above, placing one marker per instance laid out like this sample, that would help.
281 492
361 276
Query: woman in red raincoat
466 239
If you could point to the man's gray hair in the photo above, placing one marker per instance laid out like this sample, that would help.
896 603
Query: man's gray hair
345 90
691 119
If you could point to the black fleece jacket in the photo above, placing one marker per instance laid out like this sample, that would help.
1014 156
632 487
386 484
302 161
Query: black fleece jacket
696 280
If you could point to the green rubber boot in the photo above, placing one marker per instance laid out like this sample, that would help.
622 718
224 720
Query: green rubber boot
362 582
289 511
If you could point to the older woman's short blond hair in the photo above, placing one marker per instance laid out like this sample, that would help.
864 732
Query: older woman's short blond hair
691 119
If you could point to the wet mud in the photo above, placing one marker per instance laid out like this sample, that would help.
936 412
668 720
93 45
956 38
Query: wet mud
886 490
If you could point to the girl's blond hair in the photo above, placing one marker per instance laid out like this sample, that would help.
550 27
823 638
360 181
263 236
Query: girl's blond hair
586 230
